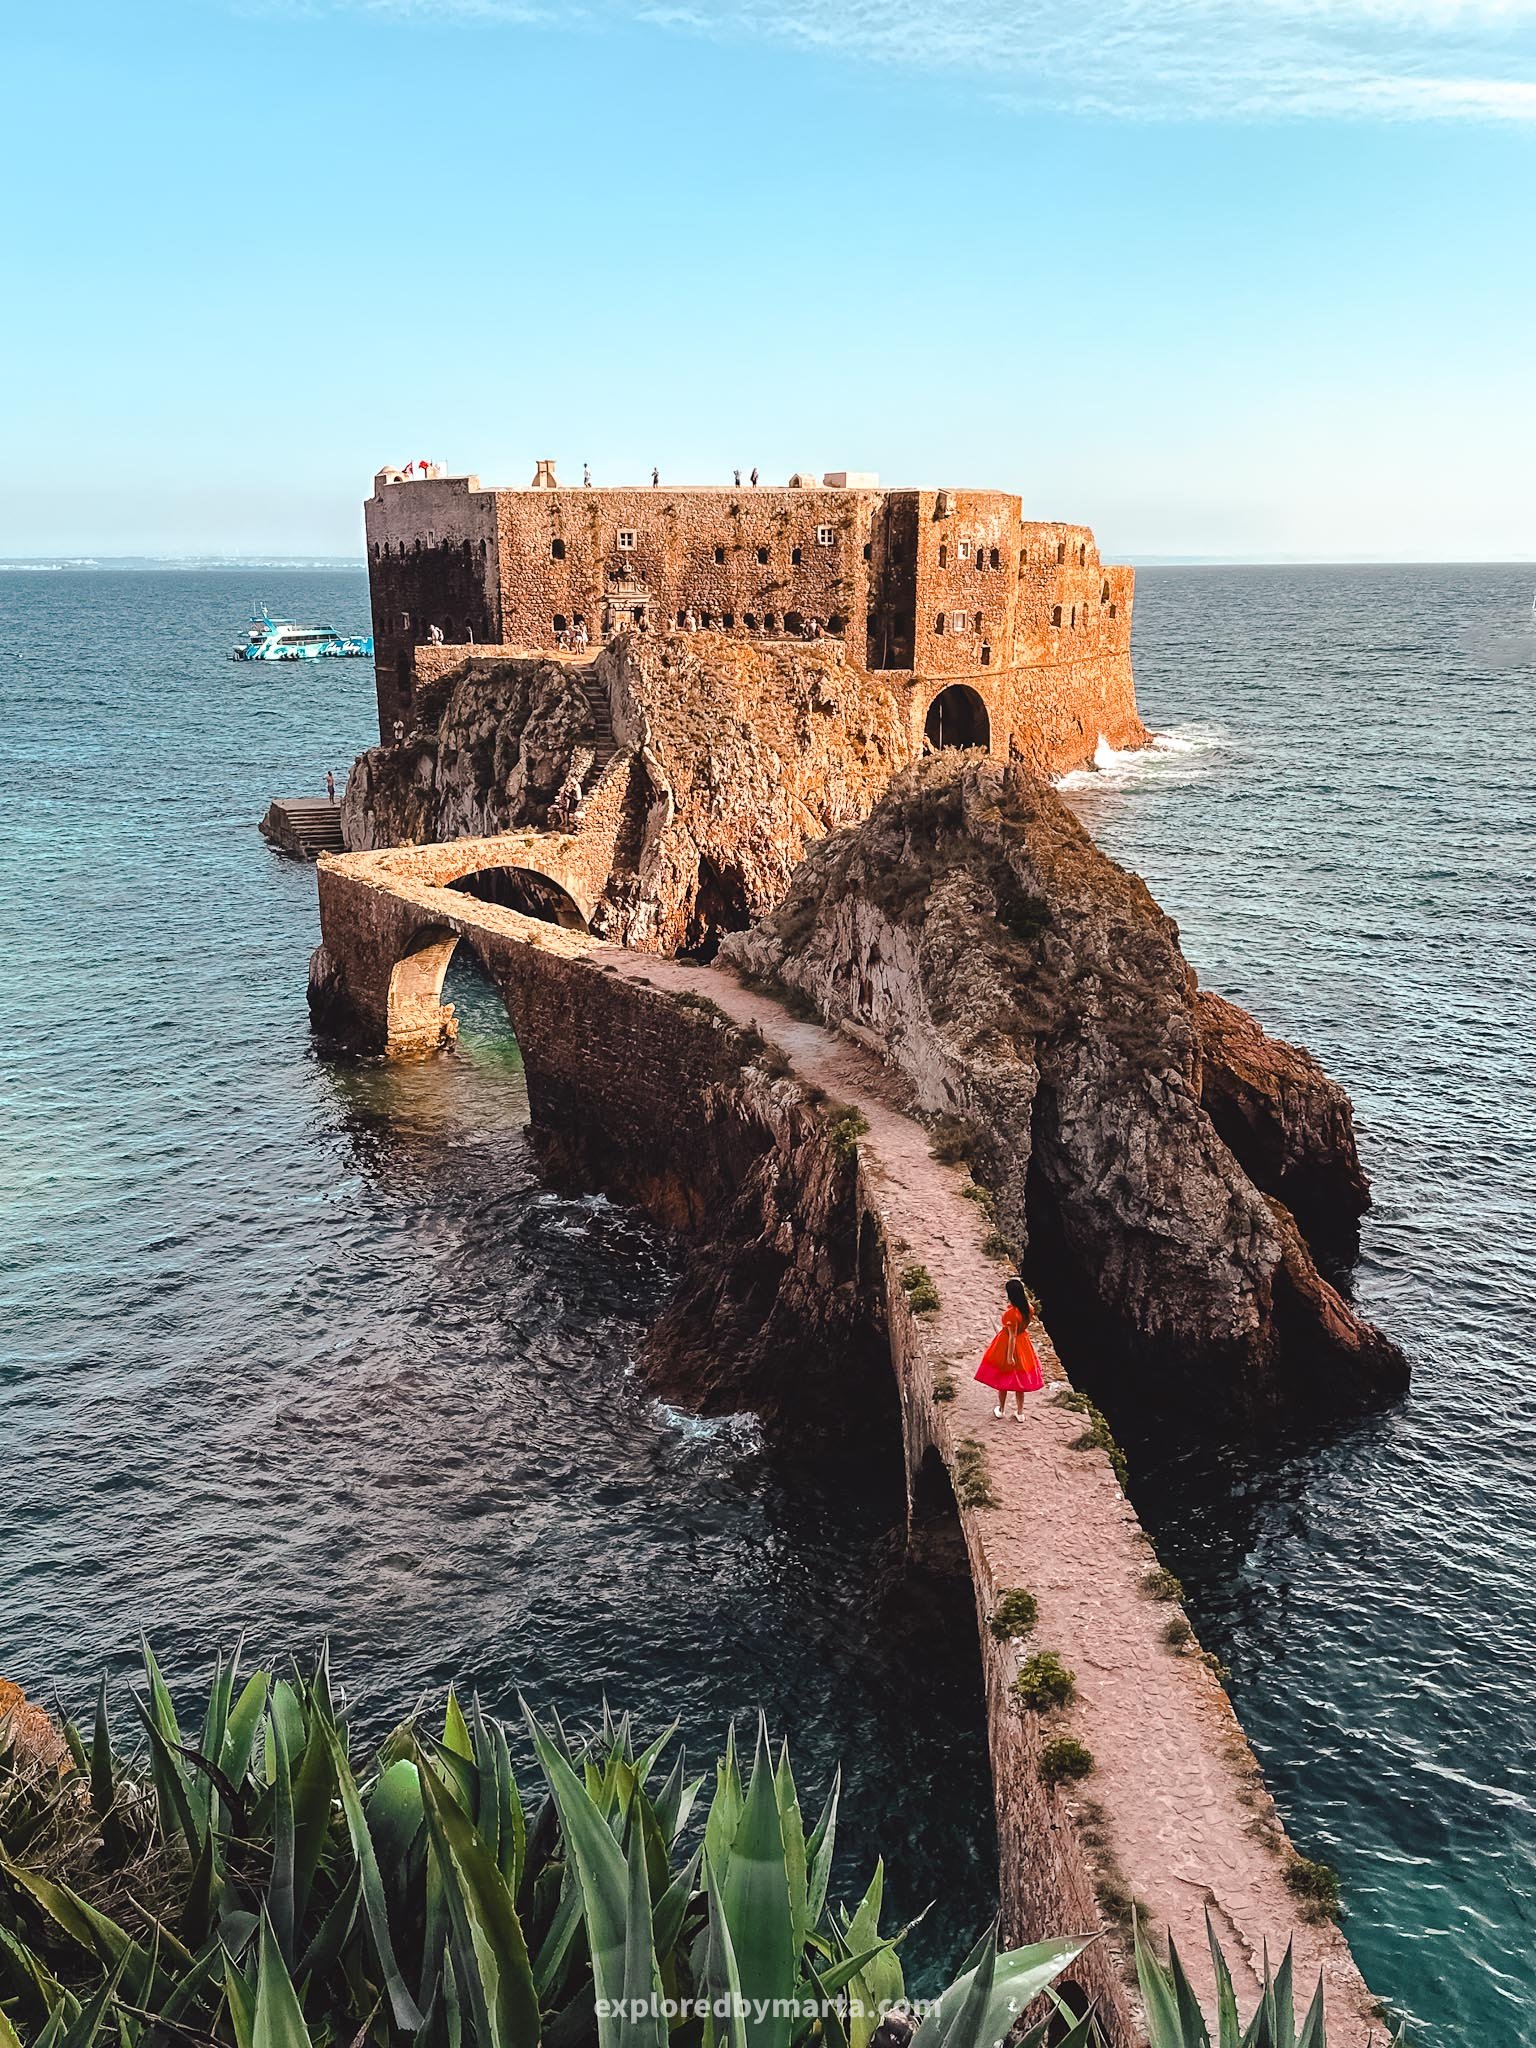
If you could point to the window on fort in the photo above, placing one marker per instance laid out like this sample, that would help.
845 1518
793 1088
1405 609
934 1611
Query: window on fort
1082 554
558 622
794 622
986 656
1114 611
825 535
960 622
626 538
794 557
762 554
868 551
719 554
1023 558
769 622
938 624
837 625
994 558
405 622
557 551
1104 595
1055 614
1074 615
943 555
749 620
977 627
1061 551
728 620
964 551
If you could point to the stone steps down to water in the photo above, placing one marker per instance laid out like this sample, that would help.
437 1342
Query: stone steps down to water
303 826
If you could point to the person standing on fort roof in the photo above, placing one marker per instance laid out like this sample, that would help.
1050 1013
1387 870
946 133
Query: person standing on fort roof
754 476
655 476
586 477
1009 1364
736 477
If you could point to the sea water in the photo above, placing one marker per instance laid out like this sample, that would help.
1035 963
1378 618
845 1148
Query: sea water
304 1347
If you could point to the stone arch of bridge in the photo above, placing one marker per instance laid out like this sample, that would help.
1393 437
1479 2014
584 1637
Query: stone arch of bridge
561 863
414 1008
527 890
958 717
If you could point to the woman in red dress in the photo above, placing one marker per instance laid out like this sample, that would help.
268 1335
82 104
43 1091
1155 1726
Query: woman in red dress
1010 1365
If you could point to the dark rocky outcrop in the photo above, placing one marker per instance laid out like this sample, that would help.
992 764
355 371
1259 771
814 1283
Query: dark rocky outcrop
1032 989
1290 1126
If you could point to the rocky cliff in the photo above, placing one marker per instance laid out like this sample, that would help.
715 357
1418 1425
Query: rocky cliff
739 756
1138 1137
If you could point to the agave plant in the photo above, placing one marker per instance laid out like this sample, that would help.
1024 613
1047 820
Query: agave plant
257 1887
1174 2018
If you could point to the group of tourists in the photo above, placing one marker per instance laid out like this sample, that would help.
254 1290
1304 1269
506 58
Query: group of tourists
574 638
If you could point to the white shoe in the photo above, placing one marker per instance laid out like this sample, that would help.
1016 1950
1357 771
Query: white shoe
1018 1414
998 1413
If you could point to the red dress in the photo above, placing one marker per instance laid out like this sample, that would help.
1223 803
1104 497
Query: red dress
1010 1364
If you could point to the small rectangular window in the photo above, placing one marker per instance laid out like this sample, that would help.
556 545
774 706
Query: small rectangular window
825 535
964 551
960 622
626 538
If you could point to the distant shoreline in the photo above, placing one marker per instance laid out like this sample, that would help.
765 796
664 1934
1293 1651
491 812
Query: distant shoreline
185 564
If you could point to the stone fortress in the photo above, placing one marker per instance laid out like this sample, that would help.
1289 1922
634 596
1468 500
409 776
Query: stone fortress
989 627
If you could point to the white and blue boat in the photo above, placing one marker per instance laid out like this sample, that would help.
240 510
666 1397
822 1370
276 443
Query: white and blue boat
272 639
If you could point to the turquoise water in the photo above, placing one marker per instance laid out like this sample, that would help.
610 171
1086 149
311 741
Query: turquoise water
306 1348
1344 831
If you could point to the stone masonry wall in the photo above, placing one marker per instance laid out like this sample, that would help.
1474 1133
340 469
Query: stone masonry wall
928 586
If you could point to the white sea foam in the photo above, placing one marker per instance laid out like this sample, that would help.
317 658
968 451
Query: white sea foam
1181 752
735 1433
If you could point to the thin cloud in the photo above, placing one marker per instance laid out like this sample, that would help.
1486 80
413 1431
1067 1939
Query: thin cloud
1465 60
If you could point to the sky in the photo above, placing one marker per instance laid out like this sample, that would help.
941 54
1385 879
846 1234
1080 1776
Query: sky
1242 279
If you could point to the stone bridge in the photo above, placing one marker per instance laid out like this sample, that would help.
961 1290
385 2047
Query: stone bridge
658 1060
390 921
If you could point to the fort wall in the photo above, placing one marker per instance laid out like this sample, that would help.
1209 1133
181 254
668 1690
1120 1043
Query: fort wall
928 587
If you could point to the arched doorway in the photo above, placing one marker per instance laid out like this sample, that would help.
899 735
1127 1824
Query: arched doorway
957 717
525 891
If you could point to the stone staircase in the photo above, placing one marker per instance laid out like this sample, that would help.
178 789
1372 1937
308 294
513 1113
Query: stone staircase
604 745
306 827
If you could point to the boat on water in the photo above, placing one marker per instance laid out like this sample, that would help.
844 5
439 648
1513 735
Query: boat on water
270 639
